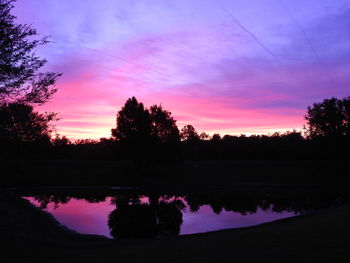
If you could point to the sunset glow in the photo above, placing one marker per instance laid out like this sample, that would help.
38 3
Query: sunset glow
228 67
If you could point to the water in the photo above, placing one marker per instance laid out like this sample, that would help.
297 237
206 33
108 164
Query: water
127 213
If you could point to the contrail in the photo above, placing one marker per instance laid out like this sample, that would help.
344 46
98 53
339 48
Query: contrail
248 32
306 37
122 59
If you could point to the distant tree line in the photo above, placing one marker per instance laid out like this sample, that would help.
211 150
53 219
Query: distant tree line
151 137
145 136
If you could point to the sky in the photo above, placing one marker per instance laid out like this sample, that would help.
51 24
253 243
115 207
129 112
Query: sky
228 67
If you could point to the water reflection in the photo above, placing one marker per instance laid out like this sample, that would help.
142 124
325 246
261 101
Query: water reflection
152 215
131 218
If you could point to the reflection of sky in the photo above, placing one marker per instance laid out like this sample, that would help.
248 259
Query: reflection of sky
92 218
81 216
209 221
223 66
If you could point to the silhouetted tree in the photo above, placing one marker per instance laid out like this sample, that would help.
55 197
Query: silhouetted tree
189 133
147 134
216 137
204 136
20 80
60 141
329 118
328 124
20 123
24 131
133 122
133 130
163 125
165 135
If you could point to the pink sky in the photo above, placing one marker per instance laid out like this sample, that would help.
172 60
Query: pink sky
227 67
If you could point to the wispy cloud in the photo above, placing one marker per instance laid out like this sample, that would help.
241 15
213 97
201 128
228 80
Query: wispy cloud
202 64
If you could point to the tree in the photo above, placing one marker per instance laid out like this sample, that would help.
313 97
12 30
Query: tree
330 118
189 133
164 127
216 138
133 131
165 136
20 79
329 123
20 123
60 141
204 136
146 134
24 132
133 123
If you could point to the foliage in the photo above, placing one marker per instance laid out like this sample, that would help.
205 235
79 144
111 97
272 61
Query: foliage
204 136
137 123
163 125
20 80
133 123
60 141
133 219
151 134
216 137
330 118
20 123
146 134
189 133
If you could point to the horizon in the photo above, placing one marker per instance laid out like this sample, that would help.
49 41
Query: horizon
224 67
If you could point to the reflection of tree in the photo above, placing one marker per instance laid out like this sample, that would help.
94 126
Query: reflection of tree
57 199
92 198
169 219
125 200
45 200
249 204
133 219
158 215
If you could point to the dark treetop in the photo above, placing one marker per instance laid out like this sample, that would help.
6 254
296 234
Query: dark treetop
20 79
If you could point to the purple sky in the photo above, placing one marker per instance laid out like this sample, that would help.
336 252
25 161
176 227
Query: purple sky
223 66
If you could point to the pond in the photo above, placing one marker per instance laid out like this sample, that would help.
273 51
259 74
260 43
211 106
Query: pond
131 214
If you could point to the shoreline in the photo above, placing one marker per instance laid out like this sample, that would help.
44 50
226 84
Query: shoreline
48 240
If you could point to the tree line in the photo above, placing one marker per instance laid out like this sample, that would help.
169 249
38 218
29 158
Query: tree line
142 135
152 136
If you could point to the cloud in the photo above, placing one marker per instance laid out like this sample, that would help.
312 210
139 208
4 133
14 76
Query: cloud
328 35
193 59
